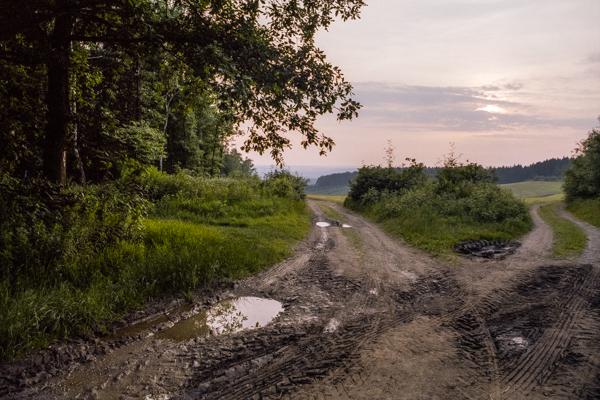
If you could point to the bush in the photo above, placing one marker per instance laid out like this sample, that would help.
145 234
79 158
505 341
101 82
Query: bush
582 179
372 182
434 214
48 233
285 184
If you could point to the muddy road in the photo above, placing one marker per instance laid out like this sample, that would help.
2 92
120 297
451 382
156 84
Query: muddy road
354 314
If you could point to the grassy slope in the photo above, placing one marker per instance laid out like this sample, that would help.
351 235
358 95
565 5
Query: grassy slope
181 250
569 239
528 189
587 210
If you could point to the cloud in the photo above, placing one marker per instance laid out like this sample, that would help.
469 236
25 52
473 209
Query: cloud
592 58
411 108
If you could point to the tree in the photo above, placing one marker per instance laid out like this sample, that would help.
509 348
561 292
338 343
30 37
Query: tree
582 179
258 57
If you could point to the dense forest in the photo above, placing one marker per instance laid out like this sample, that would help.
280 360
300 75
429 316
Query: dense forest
551 169
87 86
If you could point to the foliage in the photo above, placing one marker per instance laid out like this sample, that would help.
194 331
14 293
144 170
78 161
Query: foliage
434 214
372 182
283 183
569 239
235 165
582 180
74 72
75 259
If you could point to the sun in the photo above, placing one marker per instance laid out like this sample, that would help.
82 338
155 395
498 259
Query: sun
492 109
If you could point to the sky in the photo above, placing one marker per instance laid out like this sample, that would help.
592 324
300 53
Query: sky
506 81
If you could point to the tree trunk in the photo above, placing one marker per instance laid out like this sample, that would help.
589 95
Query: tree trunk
57 100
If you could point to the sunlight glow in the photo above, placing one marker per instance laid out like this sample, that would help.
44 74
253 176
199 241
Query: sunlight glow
492 109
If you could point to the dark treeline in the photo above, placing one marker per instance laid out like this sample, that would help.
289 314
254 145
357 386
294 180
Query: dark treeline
551 169
547 170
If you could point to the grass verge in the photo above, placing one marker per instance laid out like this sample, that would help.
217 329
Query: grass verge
587 210
569 239
204 230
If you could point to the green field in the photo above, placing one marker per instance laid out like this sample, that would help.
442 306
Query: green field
535 189
323 197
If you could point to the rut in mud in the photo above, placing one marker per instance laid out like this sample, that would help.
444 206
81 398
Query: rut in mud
363 316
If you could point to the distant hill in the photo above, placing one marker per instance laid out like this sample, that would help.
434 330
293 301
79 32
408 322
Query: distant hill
548 170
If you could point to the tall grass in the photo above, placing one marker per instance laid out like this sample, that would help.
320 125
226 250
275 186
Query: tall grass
435 224
569 239
461 203
197 231
586 209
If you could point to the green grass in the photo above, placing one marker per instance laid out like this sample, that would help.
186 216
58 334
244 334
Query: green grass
569 239
535 189
544 199
322 197
332 213
587 210
437 234
187 242
435 222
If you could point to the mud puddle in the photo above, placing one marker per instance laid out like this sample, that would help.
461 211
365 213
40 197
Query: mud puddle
229 316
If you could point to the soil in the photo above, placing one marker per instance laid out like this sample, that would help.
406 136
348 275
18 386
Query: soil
364 316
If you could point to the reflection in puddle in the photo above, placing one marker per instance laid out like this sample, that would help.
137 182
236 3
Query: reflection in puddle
323 224
511 342
226 317
332 325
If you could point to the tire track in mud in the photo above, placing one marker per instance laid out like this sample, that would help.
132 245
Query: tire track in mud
533 367
339 307
525 314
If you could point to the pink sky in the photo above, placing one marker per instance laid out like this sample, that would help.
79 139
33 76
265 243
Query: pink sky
507 81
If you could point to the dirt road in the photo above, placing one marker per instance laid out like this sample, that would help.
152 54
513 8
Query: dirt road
365 317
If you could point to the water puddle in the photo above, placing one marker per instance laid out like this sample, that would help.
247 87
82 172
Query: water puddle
323 224
346 226
229 316
512 342
332 326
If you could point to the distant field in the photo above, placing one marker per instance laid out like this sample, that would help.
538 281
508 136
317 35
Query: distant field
535 189
328 190
324 197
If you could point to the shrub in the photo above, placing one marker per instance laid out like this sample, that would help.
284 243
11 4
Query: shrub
283 183
582 179
434 214
373 181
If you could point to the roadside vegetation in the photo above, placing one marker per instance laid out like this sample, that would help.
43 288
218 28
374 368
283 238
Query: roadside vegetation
569 239
462 202
96 100
76 261
582 180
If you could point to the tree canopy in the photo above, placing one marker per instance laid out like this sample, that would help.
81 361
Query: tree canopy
88 82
